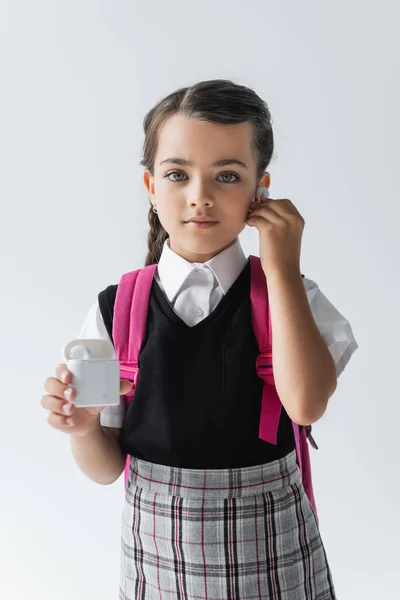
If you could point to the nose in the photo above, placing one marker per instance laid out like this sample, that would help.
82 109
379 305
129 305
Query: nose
200 196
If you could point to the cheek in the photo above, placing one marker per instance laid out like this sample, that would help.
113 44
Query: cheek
238 212
170 214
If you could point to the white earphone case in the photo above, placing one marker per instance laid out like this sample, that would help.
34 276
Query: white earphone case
95 379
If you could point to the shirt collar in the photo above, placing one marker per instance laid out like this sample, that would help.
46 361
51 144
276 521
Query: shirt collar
173 270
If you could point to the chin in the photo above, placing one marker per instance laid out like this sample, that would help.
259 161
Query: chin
204 246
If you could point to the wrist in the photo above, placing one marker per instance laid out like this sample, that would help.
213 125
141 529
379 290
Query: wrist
284 270
93 430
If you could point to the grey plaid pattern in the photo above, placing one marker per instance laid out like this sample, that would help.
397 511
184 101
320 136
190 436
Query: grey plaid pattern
240 534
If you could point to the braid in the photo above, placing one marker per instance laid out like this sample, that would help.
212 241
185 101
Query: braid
155 238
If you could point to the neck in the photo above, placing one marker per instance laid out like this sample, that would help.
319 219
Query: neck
193 257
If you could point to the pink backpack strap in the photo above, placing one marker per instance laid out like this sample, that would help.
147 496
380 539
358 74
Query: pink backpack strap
271 405
129 325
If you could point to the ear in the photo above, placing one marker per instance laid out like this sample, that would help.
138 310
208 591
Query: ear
263 186
265 180
148 181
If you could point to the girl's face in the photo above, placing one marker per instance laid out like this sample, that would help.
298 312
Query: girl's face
189 183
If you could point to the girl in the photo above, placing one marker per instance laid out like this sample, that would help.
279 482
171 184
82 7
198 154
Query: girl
212 511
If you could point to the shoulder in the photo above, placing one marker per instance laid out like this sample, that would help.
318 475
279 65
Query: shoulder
309 284
106 302
106 299
319 303
333 325
98 320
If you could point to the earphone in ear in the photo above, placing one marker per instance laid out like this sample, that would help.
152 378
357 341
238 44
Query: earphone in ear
262 192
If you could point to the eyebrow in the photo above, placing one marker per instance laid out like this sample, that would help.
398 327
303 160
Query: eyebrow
219 163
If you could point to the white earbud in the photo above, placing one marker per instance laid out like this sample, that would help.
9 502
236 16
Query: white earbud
80 353
262 191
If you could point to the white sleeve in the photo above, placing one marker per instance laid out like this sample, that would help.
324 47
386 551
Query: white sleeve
334 328
94 327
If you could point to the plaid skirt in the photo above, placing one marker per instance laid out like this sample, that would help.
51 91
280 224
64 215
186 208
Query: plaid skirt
246 533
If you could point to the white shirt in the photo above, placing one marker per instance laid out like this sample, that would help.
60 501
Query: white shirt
195 289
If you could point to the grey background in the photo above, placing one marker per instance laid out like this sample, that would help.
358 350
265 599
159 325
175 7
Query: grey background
76 81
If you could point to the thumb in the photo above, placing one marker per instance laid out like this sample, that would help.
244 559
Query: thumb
125 386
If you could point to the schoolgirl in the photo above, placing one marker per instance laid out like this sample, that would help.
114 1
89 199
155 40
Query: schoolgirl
212 511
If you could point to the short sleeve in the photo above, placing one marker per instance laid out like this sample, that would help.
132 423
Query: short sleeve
333 326
94 327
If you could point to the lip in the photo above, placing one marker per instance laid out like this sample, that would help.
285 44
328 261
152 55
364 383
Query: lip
201 219
201 222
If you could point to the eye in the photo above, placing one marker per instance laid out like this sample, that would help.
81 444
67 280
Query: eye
230 175
174 173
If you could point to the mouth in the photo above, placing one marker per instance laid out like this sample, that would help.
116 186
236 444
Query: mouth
201 222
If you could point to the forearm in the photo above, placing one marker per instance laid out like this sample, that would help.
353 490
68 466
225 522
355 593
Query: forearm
98 455
304 370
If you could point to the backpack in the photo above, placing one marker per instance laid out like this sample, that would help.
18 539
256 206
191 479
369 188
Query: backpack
132 299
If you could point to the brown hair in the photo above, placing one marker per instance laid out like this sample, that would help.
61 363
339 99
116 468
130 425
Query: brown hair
215 101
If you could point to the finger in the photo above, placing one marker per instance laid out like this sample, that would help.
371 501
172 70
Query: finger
63 374
284 207
125 386
60 390
257 222
281 207
58 422
263 204
290 206
56 405
266 214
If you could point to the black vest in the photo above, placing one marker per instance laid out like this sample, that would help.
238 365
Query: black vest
198 397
